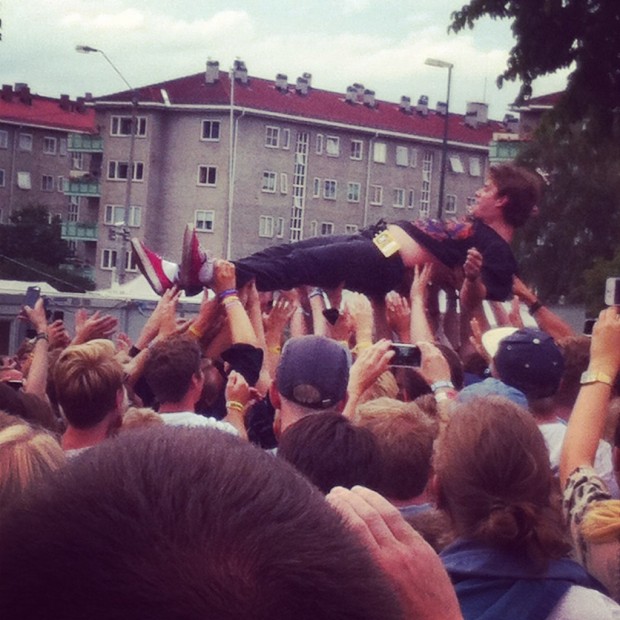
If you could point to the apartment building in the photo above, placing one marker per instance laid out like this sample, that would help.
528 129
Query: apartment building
252 162
36 162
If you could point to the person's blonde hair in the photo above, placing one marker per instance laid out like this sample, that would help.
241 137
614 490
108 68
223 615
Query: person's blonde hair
87 378
26 455
601 522
140 417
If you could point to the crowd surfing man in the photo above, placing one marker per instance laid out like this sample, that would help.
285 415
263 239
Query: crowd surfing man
377 259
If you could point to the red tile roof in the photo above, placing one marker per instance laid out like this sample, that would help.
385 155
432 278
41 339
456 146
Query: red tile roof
261 94
46 112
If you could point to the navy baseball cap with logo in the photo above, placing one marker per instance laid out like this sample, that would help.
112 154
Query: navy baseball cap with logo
529 360
313 371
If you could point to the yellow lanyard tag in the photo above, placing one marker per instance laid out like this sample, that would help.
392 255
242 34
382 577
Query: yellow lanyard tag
386 243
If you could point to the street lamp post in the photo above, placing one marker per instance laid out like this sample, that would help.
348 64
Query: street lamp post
433 62
124 233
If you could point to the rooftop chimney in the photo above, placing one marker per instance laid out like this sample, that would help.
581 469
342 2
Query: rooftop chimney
24 94
240 71
351 94
442 108
477 110
302 86
405 104
282 82
80 106
212 74
7 92
511 123
65 102
359 89
369 98
308 77
422 107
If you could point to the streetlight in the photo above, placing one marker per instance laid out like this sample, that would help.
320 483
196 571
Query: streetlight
434 62
120 263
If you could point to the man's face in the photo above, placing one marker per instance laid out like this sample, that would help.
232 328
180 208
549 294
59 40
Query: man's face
488 207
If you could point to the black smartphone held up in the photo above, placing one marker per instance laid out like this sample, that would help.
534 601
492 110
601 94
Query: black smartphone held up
588 325
58 315
32 296
407 355
612 292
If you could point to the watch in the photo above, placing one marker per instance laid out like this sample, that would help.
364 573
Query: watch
589 377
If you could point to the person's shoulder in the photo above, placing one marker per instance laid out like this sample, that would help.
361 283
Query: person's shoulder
579 602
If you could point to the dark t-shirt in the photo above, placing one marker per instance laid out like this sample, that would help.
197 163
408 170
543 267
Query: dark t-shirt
449 242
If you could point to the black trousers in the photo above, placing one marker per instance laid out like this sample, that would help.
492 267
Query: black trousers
326 262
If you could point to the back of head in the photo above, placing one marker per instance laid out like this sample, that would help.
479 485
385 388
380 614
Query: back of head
170 366
87 378
27 454
204 526
330 451
495 481
521 187
576 354
405 438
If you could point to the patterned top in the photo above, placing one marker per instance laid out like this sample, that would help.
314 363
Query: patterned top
602 560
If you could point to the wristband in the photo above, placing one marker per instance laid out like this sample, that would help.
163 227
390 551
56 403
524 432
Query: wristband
315 292
535 307
227 293
276 349
41 336
438 385
236 405
443 396
194 332
230 301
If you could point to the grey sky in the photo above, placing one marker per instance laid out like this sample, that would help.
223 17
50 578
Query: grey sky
380 43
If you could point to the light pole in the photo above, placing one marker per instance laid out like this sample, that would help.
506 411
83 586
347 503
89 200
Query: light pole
124 233
433 62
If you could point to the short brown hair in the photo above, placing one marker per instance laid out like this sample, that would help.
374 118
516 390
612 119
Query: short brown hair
521 187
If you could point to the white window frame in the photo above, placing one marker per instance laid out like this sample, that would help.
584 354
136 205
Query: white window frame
402 156
206 171
211 135
354 191
413 158
50 145
73 210
326 229
4 139
63 147
272 136
456 165
320 143
204 220
330 189
450 204
398 198
265 226
131 262
316 187
376 195
48 183
120 126
116 166
60 183
351 229
475 167
357 150
286 138
283 183
77 161
280 227
411 198
2 177
332 146
24 180
115 215
269 182
314 226
109 258
25 142
379 152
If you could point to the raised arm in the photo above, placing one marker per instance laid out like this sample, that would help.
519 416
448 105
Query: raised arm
37 376
420 327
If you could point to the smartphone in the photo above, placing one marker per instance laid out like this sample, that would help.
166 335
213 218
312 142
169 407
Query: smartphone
588 325
408 355
32 296
58 315
612 292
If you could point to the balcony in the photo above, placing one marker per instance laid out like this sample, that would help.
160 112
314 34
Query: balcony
83 143
78 231
82 187
503 150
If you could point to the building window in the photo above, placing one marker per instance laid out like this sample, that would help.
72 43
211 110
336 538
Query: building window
47 183
24 180
204 220
326 229
77 161
402 156
115 216
351 229
379 152
4 139
60 183
413 158
62 147
265 226
272 137
50 145
425 194
316 187
399 198
2 181
131 262
450 204
332 146
411 198
108 259
320 139
283 183
210 131
376 195
474 167
269 181
314 225
329 189
121 126
73 211
353 192
118 170
280 227
357 149
207 175
25 142
456 165
286 138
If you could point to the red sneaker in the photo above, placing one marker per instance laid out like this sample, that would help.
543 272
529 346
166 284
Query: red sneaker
151 266
196 270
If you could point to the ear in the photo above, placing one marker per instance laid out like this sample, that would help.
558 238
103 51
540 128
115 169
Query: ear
121 400
274 396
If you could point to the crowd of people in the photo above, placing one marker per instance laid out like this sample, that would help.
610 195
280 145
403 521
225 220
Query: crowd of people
277 457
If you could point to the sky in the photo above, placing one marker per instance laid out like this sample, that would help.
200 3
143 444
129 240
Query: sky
380 43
